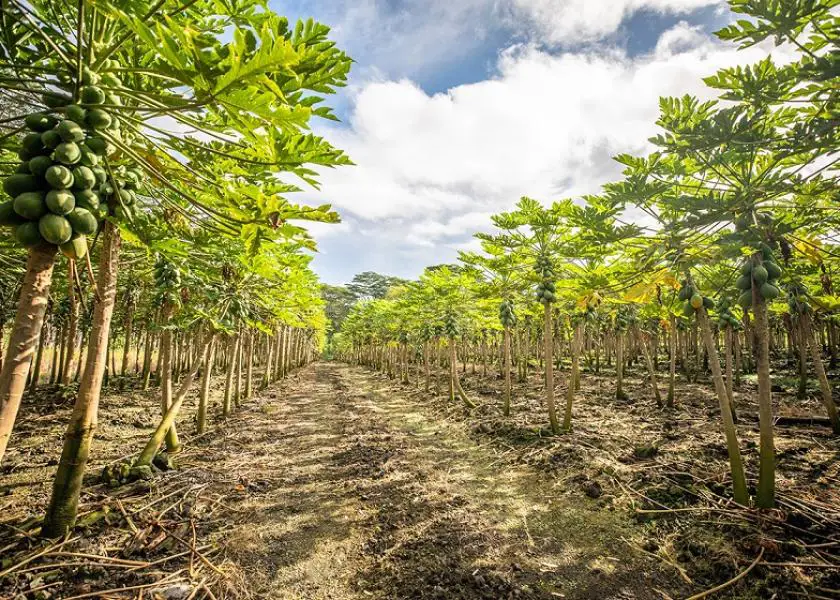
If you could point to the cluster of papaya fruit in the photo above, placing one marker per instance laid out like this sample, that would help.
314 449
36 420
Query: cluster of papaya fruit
63 186
761 275
725 316
693 300
507 316
546 290
450 326
797 301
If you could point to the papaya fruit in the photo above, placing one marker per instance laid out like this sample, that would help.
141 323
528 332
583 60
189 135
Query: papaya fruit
89 157
769 291
688 310
696 301
59 177
55 100
55 229
745 300
708 303
68 153
19 183
744 282
51 139
60 202
92 95
98 119
746 268
97 145
40 122
75 113
70 131
127 197
30 205
75 248
82 221
83 178
23 169
39 165
87 199
8 216
774 271
27 234
32 143
89 76
25 155
686 292
101 174
760 274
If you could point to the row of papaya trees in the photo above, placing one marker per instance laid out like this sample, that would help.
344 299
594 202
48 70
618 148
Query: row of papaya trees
716 250
149 148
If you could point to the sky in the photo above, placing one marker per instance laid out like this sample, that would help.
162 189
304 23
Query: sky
457 108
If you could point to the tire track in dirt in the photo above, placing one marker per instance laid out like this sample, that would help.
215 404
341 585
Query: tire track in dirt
366 496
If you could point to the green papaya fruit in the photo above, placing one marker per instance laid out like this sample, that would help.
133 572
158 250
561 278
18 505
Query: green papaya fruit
55 100
55 229
27 234
51 139
39 165
59 177
688 310
708 303
8 216
68 153
19 183
760 274
32 143
98 119
744 282
83 178
696 301
31 205
774 271
75 113
82 221
60 202
746 268
75 248
745 300
40 122
92 95
70 131
769 291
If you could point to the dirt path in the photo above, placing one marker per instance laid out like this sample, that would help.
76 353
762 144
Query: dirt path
361 494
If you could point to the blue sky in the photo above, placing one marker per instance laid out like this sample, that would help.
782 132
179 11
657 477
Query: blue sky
456 108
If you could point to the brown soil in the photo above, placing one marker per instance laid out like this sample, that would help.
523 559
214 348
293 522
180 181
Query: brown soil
339 484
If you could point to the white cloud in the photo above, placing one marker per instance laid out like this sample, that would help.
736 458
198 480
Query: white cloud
565 22
431 169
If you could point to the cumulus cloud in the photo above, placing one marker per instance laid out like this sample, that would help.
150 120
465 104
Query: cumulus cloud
566 22
432 168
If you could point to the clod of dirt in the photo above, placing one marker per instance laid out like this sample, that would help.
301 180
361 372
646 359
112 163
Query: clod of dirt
592 489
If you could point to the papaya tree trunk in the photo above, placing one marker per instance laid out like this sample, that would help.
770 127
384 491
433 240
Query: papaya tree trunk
766 495
643 342
816 358
577 342
72 325
204 397
167 422
548 359
619 365
64 503
736 465
39 359
672 361
231 365
173 444
506 367
29 320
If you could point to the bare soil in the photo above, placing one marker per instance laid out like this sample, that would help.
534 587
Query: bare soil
342 484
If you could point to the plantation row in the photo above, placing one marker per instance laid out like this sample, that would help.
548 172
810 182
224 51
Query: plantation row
148 151
715 252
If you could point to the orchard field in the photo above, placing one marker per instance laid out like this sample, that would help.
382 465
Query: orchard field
626 395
